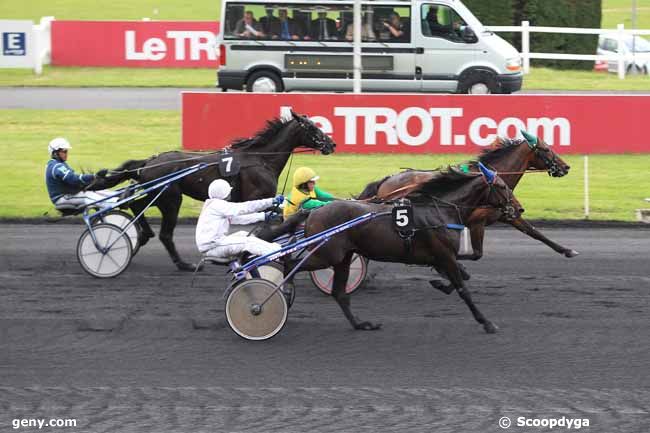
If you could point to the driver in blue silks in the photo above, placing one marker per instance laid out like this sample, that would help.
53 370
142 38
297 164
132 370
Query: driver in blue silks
65 187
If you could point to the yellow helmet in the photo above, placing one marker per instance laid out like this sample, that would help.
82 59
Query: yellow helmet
302 175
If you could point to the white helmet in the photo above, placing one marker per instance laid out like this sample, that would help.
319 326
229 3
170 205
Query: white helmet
219 189
58 144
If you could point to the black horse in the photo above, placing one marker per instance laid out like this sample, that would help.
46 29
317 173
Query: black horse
448 197
261 160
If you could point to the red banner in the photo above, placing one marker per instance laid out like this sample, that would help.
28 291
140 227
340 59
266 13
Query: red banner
152 44
391 123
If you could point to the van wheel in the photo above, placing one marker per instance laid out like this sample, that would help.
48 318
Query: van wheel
634 70
265 82
479 83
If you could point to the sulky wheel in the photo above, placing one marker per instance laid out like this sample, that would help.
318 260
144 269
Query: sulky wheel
323 278
274 272
110 256
256 310
121 219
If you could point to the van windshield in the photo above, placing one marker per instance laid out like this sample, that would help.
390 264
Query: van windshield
315 22
638 45
469 17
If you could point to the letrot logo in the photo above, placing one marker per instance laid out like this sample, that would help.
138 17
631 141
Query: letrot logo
155 49
13 44
432 124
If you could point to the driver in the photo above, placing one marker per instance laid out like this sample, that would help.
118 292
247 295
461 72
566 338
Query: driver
217 215
65 187
305 194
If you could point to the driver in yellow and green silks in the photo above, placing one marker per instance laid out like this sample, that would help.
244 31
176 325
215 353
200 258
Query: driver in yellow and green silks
305 194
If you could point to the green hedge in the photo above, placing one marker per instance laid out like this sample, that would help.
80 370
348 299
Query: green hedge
552 13
495 13
563 13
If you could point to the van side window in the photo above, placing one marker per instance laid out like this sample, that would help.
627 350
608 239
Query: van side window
611 45
316 22
259 21
440 21
389 24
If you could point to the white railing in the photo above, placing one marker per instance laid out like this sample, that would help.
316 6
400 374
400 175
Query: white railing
42 44
526 29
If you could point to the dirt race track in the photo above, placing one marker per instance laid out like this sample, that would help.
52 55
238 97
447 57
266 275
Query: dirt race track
147 353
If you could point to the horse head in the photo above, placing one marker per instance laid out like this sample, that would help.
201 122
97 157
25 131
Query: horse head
499 195
544 158
312 136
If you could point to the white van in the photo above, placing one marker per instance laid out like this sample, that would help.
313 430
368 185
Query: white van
407 46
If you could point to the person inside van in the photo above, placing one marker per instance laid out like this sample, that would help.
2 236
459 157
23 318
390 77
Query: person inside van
367 32
269 21
248 27
323 28
398 32
286 28
436 29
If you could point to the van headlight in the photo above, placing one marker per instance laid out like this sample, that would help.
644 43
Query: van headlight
514 64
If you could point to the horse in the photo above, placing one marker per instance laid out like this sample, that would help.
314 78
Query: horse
450 196
261 160
510 158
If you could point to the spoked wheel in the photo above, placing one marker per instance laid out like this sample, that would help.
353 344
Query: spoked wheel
323 279
121 219
110 257
274 272
256 310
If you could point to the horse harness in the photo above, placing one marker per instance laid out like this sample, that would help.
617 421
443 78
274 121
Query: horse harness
407 233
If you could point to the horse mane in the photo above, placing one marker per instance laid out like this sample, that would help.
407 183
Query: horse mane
446 180
371 189
261 137
499 148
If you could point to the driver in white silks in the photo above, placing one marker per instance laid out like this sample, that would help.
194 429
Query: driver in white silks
218 213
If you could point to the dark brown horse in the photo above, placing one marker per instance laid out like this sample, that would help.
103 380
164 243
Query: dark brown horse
448 197
261 159
511 159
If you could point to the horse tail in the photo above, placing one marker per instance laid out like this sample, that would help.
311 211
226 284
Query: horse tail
371 189
126 171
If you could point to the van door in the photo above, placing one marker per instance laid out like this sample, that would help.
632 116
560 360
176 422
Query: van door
386 34
441 54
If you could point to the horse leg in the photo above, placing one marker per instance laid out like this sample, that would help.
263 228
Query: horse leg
463 272
147 232
525 227
457 283
341 273
169 204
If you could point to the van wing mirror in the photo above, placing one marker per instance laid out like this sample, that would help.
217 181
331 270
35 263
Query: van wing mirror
468 35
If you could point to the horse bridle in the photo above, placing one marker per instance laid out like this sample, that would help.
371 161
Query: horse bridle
318 138
507 209
553 168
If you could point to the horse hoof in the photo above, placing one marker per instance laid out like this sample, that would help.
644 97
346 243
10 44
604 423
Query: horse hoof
571 253
446 289
490 328
144 238
186 267
368 326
